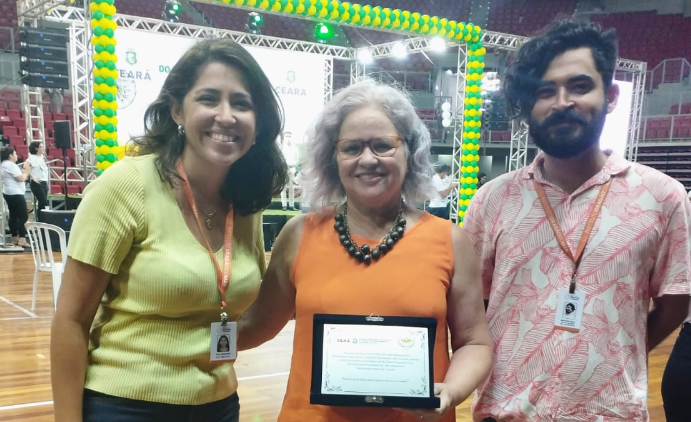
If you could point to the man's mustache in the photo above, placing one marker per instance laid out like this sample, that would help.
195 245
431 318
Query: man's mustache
567 116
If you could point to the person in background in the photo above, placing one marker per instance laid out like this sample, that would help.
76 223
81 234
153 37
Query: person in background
481 179
373 252
676 394
153 243
439 204
39 177
290 153
13 190
578 225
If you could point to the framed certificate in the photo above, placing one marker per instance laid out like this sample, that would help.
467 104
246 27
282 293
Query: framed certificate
373 361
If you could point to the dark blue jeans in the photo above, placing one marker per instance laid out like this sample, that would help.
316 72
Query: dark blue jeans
100 407
676 392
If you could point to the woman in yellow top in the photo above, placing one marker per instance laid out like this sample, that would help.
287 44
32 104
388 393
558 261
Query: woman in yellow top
146 265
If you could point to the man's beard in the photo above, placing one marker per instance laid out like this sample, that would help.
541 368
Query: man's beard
569 140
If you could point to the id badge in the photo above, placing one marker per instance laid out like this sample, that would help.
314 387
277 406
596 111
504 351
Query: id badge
569 311
224 342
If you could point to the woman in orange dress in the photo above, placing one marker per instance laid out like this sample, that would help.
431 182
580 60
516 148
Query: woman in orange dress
372 252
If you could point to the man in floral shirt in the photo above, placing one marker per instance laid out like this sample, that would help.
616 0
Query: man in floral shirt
579 226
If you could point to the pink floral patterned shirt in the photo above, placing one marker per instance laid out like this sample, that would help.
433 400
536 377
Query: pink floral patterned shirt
639 249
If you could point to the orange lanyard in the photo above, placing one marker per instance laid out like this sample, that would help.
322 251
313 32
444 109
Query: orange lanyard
559 235
222 276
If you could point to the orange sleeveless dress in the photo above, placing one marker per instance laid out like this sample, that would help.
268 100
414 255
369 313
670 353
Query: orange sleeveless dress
411 280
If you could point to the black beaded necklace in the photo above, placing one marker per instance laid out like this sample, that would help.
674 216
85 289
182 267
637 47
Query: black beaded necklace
364 253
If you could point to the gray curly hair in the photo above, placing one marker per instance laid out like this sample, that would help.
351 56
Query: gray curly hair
321 170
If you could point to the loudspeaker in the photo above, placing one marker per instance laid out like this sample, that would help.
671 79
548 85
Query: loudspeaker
63 134
62 219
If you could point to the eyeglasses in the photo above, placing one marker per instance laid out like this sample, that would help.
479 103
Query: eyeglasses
383 146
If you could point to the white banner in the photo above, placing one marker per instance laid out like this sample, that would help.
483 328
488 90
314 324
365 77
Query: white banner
146 58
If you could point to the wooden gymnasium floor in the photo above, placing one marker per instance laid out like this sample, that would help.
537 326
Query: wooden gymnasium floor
25 391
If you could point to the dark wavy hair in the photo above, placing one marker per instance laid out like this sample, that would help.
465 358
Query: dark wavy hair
5 153
524 75
258 175
34 146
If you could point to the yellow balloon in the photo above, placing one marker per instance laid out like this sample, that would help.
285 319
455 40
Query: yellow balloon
323 13
289 8
355 18
386 22
115 121
415 26
300 9
252 3
442 32
276 7
103 7
478 29
93 7
433 31
405 24
396 23
468 37
311 11
334 14
376 21
239 2
345 17
366 20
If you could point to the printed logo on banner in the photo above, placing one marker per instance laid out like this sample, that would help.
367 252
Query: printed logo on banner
131 57
291 76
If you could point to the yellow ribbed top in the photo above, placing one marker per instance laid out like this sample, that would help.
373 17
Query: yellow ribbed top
150 339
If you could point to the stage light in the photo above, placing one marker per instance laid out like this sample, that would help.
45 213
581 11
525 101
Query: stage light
171 11
323 33
364 56
399 50
437 44
254 23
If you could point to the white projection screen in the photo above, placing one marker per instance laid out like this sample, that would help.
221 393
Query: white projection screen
616 131
146 58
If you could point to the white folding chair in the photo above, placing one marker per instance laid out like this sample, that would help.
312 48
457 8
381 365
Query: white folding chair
42 249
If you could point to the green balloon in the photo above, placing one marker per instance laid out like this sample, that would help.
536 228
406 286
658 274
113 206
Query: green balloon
111 127
473 174
97 15
341 9
109 33
98 127
99 172
98 97
362 13
284 3
110 81
99 80
99 157
464 207
99 64
99 142
465 186
109 112
98 112
110 143
110 65
318 5
464 196
98 31
111 158
330 8
108 1
99 48
372 14
109 97
307 3
110 48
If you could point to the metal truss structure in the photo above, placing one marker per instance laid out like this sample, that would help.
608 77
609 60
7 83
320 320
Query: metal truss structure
518 151
519 136
635 72
457 152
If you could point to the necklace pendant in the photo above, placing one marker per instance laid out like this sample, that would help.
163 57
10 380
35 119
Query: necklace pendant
208 223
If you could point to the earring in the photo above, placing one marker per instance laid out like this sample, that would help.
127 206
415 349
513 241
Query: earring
181 130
